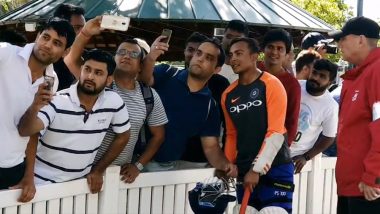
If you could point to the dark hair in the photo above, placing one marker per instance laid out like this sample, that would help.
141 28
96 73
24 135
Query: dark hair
324 64
132 40
253 45
239 26
306 57
196 37
101 56
221 56
65 11
13 37
62 27
278 35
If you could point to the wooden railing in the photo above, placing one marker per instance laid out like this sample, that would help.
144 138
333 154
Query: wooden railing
163 193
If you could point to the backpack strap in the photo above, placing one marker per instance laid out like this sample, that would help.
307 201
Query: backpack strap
147 93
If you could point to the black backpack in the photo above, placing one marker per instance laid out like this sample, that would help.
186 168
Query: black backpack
144 134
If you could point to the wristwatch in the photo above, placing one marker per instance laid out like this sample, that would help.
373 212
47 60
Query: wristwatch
139 166
306 156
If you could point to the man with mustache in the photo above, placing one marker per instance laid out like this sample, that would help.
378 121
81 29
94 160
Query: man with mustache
318 113
74 123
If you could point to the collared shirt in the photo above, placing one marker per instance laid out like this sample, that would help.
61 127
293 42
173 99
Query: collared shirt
17 93
72 136
189 113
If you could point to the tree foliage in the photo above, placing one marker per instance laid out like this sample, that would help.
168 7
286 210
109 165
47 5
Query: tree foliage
333 12
9 5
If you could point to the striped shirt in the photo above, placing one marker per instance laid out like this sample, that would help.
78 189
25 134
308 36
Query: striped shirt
137 113
72 136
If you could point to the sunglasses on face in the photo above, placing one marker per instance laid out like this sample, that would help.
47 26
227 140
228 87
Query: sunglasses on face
132 54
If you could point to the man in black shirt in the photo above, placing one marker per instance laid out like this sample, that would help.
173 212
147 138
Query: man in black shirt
75 15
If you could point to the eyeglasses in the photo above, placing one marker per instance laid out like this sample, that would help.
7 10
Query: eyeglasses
132 54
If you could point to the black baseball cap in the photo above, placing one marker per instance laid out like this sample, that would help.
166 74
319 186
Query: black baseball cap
358 26
311 39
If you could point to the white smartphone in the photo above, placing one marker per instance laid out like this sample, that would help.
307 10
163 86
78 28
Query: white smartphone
111 22
30 26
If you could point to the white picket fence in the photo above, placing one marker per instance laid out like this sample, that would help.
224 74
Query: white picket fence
163 193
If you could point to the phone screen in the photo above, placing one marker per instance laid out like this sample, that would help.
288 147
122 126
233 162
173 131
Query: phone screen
167 33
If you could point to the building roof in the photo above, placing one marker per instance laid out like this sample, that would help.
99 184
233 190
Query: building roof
268 13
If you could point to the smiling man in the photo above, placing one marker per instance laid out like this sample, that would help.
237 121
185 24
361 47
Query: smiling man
74 124
276 44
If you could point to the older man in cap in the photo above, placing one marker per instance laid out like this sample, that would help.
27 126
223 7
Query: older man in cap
358 164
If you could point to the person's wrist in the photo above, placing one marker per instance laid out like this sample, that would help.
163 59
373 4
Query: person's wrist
139 166
306 156
85 34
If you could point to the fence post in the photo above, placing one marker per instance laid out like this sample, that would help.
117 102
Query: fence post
108 198
314 186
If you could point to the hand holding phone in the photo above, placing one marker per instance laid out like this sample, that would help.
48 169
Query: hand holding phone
167 33
49 80
111 22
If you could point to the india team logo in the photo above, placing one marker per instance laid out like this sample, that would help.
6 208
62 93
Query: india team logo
254 93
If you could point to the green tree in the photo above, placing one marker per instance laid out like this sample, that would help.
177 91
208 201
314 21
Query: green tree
9 5
333 12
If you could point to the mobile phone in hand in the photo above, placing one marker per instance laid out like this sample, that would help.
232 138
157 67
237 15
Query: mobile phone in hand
111 22
49 80
167 33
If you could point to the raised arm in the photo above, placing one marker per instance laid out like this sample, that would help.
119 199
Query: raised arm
74 59
29 123
157 49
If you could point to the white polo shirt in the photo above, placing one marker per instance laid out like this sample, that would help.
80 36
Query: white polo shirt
72 136
17 94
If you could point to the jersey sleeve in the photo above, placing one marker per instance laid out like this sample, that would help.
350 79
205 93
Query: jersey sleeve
276 107
231 133
276 112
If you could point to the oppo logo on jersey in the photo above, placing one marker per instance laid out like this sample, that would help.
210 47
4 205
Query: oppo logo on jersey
246 106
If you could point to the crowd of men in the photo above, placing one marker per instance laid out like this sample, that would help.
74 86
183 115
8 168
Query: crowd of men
257 121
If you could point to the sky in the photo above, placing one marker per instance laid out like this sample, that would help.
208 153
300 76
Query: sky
370 8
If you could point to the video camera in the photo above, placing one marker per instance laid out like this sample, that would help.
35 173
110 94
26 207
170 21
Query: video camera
330 48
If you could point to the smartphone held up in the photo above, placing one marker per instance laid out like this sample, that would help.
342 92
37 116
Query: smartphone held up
49 80
168 34
111 22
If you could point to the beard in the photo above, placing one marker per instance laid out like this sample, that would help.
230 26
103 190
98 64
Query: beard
313 87
43 60
92 92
